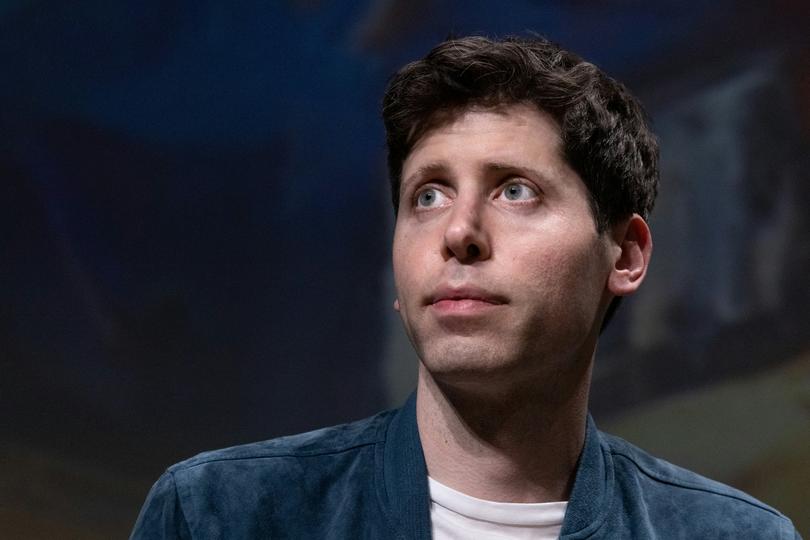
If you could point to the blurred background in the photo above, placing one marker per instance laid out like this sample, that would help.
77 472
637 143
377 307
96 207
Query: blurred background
195 228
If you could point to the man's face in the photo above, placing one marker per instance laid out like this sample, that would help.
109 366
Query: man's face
498 266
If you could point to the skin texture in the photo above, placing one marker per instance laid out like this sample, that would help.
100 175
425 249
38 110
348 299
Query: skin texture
502 283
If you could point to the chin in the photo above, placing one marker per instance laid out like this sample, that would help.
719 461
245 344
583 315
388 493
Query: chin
465 363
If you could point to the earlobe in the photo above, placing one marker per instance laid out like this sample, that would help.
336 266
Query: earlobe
634 240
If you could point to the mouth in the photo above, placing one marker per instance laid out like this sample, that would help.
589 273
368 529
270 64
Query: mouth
447 299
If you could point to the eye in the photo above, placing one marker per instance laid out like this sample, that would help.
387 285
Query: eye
428 198
518 192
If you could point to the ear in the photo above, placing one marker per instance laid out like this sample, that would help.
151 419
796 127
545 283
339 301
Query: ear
631 255
396 304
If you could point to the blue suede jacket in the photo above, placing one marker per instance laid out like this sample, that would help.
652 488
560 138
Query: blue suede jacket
368 479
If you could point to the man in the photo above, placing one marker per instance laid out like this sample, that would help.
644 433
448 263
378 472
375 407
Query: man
522 177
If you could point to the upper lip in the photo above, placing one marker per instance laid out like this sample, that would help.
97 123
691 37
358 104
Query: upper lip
466 292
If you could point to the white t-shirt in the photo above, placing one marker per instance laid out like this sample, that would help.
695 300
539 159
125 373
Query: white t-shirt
456 516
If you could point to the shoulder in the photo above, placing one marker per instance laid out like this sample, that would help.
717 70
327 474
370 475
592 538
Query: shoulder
664 472
322 442
297 466
673 493
279 487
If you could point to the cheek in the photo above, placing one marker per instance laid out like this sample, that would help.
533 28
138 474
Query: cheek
564 279
405 269
410 253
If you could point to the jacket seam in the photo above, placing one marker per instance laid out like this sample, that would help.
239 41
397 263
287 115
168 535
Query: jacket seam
272 456
180 505
696 487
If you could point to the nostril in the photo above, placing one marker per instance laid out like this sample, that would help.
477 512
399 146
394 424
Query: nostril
473 251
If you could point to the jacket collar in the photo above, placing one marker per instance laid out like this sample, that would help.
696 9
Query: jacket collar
593 484
405 474
406 488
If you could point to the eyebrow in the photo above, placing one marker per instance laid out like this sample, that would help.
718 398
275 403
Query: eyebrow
428 169
522 169
440 167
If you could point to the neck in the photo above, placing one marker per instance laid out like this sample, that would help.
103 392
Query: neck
514 445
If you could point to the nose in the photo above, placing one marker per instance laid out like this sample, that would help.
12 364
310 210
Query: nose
465 237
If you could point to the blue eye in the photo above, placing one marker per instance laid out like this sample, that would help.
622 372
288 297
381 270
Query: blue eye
429 197
518 192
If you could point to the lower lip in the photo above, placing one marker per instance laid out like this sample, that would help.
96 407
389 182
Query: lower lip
466 306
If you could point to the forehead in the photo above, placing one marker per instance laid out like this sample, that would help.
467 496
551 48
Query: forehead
521 127
517 134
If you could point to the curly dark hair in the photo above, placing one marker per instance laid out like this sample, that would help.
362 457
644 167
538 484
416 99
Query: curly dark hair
605 133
